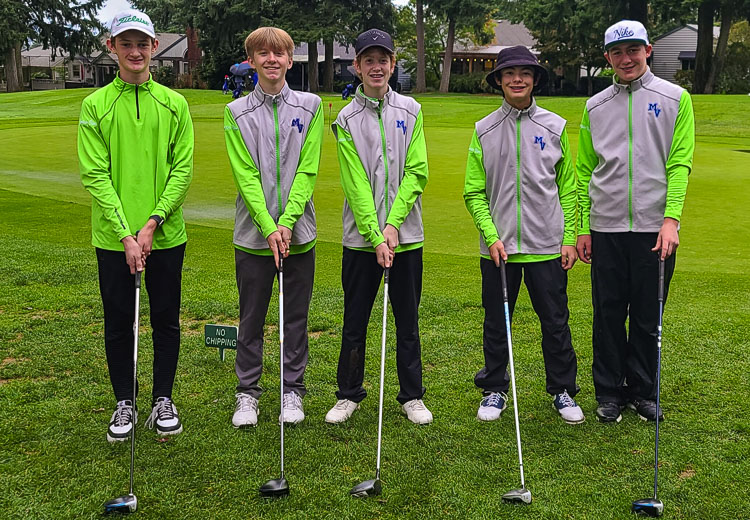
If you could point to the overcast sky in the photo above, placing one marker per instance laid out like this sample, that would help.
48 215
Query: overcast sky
111 8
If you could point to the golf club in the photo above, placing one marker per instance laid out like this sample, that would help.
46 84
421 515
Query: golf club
129 503
654 506
520 495
279 487
371 488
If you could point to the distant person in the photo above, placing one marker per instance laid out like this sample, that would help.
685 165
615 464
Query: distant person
383 164
274 137
225 87
635 152
255 78
135 152
520 191
348 91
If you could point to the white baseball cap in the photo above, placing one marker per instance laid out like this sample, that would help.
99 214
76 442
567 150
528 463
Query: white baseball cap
625 31
131 20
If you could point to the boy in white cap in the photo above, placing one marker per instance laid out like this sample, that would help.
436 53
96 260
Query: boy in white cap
635 152
520 191
135 150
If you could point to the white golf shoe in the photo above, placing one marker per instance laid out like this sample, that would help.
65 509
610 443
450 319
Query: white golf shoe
417 412
165 417
293 412
491 407
245 411
122 422
568 409
341 411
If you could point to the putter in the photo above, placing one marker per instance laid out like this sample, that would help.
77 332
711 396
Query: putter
279 487
371 488
520 495
129 503
654 506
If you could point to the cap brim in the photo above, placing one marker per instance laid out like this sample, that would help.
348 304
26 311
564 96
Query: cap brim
618 42
126 29
371 45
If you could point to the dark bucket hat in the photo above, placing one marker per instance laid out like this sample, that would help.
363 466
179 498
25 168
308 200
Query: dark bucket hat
517 56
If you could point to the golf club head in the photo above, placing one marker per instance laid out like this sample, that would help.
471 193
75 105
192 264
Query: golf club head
368 488
275 488
518 496
648 507
124 505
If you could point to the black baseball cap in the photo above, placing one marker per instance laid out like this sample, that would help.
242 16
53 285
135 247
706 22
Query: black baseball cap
374 38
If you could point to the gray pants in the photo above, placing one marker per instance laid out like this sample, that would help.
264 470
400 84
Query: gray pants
255 275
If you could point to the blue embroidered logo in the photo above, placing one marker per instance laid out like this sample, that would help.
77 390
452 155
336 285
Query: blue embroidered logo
623 33
540 141
296 122
402 125
654 107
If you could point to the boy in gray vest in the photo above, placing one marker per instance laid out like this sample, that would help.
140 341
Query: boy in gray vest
520 191
273 138
383 163
635 151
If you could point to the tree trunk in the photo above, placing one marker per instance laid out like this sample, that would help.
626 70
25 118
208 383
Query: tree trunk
445 79
590 80
312 66
638 10
717 64
705 47
328 66
11 71
421 85
19 66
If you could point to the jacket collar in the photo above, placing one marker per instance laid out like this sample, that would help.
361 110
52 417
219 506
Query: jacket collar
122 85
369 102
269 99
515 113
636 83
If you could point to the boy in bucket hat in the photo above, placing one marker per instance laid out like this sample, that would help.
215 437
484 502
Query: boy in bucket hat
135 151
383 163
520 191
635 151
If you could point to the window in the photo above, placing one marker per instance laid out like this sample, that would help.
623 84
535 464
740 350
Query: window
688 64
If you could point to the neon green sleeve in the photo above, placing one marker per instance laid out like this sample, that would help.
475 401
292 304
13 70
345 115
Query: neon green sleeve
566 190
93 162
585 163
680 160
247 176
414 179
475 193
307 172
357 189
181 174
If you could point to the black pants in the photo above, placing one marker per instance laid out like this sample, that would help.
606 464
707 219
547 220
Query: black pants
547 283
255 275
360 277
163 281
624 285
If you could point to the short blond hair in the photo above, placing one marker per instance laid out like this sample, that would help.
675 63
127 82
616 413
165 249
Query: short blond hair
269 38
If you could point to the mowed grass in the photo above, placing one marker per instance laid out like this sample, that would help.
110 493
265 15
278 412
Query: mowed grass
55 396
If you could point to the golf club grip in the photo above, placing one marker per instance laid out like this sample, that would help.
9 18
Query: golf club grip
138 279
504 280
387 274
281 263
661 280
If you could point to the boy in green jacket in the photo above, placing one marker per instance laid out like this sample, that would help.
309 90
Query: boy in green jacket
383 163
135 150
274 137
520 191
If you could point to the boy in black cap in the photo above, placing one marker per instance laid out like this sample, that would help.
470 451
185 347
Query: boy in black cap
521 195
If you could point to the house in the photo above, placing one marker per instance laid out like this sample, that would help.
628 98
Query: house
675 50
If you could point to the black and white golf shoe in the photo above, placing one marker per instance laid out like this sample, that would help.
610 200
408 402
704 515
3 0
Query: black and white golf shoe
165 417
122 422
609 412
646 409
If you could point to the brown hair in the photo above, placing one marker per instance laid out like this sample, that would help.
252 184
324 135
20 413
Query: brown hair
271 38
391 55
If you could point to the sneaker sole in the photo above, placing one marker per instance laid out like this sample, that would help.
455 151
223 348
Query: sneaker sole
115 440
169 432
617 420
244 426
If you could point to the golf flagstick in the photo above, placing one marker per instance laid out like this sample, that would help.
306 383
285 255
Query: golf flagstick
654 506
521 495
373 487
129 503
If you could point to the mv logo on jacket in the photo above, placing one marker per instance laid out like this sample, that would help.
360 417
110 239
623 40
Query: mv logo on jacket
540 141
654 107
298 124
400 123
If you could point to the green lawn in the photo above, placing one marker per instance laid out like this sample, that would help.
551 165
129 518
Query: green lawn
55 396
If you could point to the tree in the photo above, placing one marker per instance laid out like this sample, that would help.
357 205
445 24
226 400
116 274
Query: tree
434 42
420 86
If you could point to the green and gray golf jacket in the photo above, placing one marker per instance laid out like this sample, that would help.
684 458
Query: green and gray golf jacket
635 152
274 144
135 154
520 183
383 164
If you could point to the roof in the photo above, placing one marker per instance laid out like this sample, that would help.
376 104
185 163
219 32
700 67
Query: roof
507 34
690 26
171 45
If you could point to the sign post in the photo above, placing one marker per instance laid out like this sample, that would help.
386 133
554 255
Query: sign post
221 337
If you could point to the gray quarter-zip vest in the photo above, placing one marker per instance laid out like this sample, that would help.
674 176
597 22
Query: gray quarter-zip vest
274 129
382 132
520 149
631 130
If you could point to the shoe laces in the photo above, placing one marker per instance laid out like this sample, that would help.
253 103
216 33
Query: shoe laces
292 401
245 402
163 411
417 405
123 413
342 404
565 400
494 399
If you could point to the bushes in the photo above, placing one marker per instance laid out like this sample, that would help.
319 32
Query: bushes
473 83
685 78
165 76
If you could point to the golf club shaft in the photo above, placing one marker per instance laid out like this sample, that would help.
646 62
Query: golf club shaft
135 371
658 373
281 354
382 370
512 369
